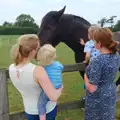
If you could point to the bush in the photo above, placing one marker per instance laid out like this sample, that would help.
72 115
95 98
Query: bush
118 114
17 30
116 27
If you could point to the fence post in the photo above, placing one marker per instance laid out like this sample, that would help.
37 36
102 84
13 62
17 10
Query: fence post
4 106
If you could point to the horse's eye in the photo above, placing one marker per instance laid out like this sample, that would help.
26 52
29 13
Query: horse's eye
49 26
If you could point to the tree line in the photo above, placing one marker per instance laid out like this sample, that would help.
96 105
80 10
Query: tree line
25 24
113 26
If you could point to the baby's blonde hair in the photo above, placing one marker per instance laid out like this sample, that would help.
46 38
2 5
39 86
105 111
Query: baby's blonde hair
46 55
92 28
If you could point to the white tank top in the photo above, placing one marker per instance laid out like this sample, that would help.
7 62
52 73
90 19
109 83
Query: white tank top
23 79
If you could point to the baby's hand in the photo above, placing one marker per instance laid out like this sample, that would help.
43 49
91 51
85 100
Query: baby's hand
60 89
85 62
82 41
117 42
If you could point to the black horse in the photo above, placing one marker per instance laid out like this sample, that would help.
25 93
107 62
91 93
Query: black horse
58 27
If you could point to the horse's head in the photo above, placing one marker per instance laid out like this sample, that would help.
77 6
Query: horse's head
48 26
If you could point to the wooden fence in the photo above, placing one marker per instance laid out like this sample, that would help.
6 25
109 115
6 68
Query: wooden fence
4 106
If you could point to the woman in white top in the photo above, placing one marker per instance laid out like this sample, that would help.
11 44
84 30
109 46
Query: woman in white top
29 78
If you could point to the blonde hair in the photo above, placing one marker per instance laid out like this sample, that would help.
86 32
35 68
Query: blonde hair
91 30
13 51
46 55
26 43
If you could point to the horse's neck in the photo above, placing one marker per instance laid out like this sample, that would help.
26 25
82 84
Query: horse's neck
67 35
79 53
65 22
76 47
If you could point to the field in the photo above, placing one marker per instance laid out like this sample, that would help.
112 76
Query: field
73 84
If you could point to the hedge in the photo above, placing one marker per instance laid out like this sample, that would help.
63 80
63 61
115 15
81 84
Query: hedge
17 30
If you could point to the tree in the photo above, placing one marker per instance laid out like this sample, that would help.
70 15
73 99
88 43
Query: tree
111 20
102 21
7 24
116 26
25 20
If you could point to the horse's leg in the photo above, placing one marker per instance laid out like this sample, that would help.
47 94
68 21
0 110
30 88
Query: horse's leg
118 80
79 58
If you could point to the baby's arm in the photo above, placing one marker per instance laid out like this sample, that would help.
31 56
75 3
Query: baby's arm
61 67
87 51
42 105
87 57
82 42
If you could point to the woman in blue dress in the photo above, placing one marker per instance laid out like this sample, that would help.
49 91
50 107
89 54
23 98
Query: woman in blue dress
99 79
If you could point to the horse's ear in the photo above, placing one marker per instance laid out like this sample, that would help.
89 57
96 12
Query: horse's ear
59 13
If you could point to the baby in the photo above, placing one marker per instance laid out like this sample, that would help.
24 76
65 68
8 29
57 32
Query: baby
46 57
90 51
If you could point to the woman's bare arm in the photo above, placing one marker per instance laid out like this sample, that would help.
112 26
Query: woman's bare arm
46 85
90 87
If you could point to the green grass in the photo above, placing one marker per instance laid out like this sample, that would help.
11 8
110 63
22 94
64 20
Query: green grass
73 84
5 45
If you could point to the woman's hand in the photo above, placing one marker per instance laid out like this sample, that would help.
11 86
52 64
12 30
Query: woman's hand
91 88
60 90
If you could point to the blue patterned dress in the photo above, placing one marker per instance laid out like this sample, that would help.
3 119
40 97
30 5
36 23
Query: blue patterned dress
101 72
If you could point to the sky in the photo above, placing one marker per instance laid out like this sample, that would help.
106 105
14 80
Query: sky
91 10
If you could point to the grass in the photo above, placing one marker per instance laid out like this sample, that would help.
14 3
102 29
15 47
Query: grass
72 81
73 84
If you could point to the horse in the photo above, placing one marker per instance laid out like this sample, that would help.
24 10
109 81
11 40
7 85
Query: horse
58 27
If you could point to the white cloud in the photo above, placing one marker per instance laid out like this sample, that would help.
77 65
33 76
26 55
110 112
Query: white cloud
92 10
10 9
54 1
9 2
58 0
15 3
102 1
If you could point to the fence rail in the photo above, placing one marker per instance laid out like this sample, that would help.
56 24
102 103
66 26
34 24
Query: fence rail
4 106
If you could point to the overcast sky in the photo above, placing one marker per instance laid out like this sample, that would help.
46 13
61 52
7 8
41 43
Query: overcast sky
92 10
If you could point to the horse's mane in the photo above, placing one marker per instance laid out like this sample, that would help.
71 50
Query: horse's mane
75 17
48 15
81 19
78 19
